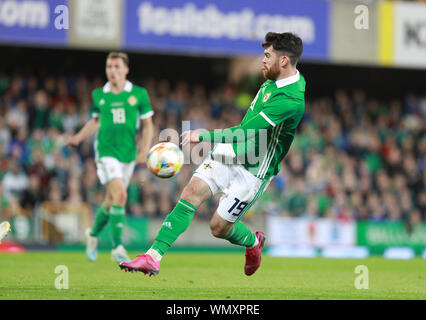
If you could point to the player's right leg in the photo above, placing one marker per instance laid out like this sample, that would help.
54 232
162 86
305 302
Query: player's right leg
239 196
194 194
115 176
102 213
101 220
237 233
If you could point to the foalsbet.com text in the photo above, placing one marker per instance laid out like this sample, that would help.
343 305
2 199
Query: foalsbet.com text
214 309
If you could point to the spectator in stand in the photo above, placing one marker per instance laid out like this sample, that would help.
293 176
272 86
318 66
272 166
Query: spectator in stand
17 116
39 111
5 207
33 195
15 182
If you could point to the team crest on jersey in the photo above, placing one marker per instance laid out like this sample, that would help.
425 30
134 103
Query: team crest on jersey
132 100
102 102
266 97
207 165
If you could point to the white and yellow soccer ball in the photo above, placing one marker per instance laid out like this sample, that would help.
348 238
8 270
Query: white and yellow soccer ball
165 159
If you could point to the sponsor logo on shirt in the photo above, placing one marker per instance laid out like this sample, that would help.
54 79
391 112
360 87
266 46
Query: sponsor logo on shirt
207 165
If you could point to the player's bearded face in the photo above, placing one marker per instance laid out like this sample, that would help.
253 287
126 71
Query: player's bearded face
271 67
116 70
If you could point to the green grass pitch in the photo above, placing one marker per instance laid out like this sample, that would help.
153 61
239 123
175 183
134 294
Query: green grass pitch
205 276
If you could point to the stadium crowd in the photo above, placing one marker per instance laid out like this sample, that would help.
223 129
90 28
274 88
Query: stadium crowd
354 157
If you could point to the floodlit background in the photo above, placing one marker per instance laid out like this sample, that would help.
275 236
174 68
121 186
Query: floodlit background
353 183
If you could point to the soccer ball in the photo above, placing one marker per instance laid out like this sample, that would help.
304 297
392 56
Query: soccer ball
165 159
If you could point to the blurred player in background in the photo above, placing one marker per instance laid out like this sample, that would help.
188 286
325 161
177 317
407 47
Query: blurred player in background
118 108
4 230
276 110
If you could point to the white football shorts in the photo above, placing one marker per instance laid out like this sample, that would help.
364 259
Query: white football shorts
239 188
109 168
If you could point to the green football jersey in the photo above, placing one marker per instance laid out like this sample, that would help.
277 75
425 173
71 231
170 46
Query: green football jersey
119 116
263 138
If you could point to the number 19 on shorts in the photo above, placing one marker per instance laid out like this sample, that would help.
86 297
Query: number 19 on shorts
237 207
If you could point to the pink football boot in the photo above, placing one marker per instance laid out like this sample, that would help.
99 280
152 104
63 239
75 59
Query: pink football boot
254 255
143 263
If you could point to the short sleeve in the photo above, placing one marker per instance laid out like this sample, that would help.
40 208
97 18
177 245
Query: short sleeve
145 109
95 110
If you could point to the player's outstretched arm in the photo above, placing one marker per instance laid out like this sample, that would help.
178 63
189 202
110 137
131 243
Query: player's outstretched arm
272 116
145 144
88 129
190 136
240 133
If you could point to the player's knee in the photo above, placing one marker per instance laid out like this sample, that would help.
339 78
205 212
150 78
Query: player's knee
217 230
123 197
107 205
190 195
120 197
188 192
196 192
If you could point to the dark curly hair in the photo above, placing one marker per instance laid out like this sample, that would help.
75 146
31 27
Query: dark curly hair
287 43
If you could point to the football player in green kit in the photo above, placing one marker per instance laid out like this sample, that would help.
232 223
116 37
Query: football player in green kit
275 111
118 109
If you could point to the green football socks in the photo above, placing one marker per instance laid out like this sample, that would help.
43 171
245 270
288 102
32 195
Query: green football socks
101 219
173 226
241 235
117 218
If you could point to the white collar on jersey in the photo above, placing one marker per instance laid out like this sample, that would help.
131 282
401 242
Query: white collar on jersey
127 87
289 80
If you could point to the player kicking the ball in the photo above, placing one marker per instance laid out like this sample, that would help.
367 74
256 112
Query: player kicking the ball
117 110
276 110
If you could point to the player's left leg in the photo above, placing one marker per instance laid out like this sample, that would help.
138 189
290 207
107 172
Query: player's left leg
117 190
238 198
237 233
